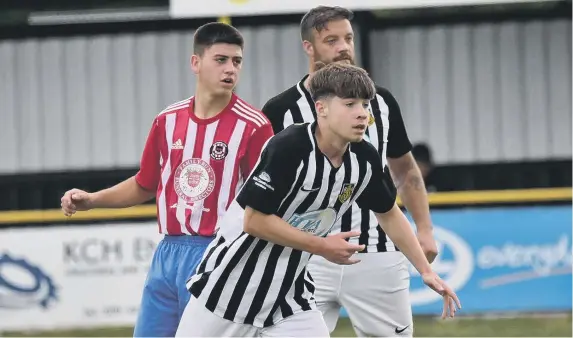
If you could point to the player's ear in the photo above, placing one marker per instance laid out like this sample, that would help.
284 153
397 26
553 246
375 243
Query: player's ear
308 48
321 108
195 60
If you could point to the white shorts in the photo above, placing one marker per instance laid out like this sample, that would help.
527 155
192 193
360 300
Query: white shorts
197 321
375 293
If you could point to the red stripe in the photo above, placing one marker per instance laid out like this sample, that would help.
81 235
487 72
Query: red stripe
223 133
163 153
171 198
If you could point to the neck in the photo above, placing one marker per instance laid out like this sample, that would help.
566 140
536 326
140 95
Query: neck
311 71
208 105
331 145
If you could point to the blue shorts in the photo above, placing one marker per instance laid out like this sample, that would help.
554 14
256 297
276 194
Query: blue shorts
164 294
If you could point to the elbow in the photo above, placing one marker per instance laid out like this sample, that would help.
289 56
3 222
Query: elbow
251 222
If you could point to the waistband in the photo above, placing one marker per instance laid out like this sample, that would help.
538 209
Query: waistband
188 239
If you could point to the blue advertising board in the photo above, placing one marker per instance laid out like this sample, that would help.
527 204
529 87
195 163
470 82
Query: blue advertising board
501 259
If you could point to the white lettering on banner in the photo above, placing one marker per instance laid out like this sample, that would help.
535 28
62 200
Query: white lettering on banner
73 276
541 258
456 272
531 261
215 8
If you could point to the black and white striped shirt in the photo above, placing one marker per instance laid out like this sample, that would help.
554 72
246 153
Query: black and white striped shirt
251 281
295 105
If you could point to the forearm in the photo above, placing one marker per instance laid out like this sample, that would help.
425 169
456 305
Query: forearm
125 194
397 227
273 229
411 189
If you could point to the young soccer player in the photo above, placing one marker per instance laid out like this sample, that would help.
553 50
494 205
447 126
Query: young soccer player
252 280
198 153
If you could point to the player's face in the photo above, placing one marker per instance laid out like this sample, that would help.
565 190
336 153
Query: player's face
347 118
219 67
335 43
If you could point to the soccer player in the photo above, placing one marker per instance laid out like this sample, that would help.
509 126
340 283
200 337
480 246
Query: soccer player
381 308
252 280
198 153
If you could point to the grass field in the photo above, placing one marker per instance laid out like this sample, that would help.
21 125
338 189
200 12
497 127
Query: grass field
559 326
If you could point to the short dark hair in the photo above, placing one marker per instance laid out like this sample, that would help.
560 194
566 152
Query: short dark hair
213 33
318 17
341 80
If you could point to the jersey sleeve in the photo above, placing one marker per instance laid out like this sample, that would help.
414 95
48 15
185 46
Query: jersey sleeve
398 142
256 143
274 113
380 193
149 171
270 180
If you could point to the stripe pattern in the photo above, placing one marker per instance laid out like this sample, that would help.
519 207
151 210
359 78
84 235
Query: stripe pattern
248 280
200 162
301 109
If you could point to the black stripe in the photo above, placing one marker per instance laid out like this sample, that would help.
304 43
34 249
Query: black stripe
244 279
288 280
203 265
381 246
264 284
364 228
347 163
297 185
215 295
331 181
311 197
299 289
296 114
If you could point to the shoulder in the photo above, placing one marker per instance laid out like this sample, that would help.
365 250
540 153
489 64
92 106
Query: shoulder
294 141
383 95
365 151
174 108
281 103
249 114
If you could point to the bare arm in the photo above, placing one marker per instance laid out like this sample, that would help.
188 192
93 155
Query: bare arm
125 194
274 229
411 188
397 227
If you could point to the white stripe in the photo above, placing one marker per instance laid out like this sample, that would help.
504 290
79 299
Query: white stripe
257 115
197 213
301 165
322 193
384 112
229 168
190 139
167 110
245 116
166 173
288 119
187 100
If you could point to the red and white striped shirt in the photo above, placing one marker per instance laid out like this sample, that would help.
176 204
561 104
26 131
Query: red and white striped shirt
198 165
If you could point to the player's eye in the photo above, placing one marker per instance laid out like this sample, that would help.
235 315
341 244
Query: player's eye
221 60
365 105
350 104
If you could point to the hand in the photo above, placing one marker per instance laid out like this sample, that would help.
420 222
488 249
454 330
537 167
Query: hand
337 250
75 200
428 244
450 298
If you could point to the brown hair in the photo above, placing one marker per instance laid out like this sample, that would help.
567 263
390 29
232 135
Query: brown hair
318 17
341 80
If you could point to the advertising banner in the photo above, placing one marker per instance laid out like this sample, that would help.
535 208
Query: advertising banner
216 8
73 276
497 259
501 260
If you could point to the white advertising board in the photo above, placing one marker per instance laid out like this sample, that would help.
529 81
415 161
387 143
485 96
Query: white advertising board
216 8
73 276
